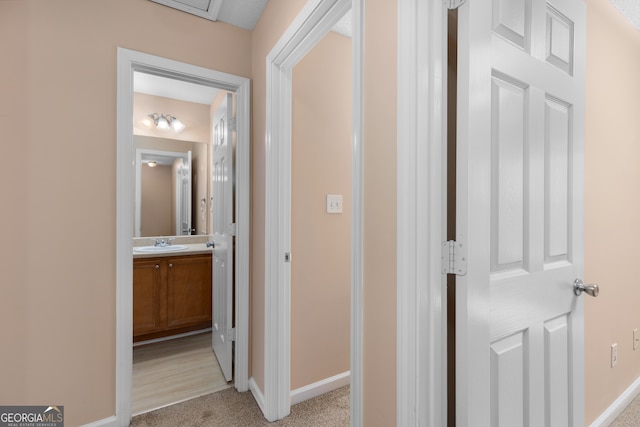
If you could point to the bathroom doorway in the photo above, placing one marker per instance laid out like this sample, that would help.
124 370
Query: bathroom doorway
181 328
174 360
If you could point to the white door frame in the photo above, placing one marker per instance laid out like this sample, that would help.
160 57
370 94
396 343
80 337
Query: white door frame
128 62
314 21
421 306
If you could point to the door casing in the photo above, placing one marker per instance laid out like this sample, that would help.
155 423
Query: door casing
312 23
421 379
128 62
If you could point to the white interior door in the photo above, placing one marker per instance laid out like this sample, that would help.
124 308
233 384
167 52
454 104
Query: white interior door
223 232
183 196
519 326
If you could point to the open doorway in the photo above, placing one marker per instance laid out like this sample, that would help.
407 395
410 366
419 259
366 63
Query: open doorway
175 318
321 215
183 257
313 22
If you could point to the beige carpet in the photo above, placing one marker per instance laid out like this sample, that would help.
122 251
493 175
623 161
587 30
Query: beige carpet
630 417
228 408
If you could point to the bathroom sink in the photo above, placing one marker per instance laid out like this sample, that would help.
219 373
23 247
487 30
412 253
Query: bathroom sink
159 249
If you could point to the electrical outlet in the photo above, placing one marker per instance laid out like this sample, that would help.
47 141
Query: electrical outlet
614 354
636 339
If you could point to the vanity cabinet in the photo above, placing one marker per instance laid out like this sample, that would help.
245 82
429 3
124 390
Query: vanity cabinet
171 295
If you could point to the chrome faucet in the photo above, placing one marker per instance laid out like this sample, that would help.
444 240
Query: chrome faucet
164 242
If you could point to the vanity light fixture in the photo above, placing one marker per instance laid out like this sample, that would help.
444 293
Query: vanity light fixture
166 121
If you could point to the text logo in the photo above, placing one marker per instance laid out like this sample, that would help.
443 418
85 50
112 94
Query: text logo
32 416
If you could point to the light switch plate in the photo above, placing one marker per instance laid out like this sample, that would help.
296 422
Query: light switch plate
334 203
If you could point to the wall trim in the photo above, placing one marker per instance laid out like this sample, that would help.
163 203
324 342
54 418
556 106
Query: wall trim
111 421
128 62
316 18
618 406
320 387
172 337
421 141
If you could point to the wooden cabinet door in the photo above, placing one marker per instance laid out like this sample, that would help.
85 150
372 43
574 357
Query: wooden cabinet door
147 296
189 291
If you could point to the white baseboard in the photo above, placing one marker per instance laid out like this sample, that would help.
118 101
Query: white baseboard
618 406
111 421
321 387
172 337
257 394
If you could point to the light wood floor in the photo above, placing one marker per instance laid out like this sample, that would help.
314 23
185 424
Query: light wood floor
172 371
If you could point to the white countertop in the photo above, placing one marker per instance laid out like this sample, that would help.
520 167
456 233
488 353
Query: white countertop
192 249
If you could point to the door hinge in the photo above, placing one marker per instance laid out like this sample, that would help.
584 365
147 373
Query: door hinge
454 4
233 123
232 229
454 258
232 334
287 257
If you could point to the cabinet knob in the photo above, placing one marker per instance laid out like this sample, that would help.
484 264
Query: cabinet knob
170 265
157 266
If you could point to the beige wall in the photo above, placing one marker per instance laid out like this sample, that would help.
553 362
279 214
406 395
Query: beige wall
58 100
14 263
612 203
156 204
380 225
194 116
320 242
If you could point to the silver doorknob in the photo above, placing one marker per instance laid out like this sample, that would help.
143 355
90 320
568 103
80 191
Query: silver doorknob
579 287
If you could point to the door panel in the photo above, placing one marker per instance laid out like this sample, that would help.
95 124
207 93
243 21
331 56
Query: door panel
188 291
222 185
519 326
147 297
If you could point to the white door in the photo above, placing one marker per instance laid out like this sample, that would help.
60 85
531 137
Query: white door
519 326
223 231
183 196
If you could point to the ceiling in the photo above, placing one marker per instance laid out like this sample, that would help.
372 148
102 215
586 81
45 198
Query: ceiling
172 88
630 9
241 13
245 13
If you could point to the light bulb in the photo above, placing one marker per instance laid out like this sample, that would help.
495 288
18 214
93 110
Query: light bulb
177 125
152 164
163 123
